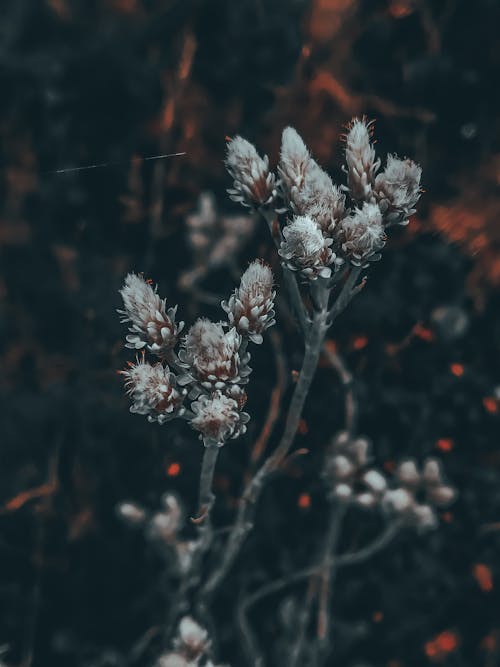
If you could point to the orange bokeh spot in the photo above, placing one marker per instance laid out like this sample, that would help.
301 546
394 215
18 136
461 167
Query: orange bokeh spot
423 333
445 444
304 501
489 643
377 616
173 469
457 370
445 642
490 404
303 428
359 342
483 576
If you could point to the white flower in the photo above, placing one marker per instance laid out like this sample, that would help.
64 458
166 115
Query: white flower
398 500
165 524
305 249
192 639
360 158
397 189
250 308
408 474
131 513
152 326
362 235
154 391
319 199
211 355
218 418
375 481
254 184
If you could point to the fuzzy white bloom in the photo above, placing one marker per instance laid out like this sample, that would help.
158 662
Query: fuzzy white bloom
397 189
398 500
342 491
152 325
375 481
341 467
133 514
362 163
165 524
212 357
294 162
362 235
253 183
408 474
172 660
192 636
218 418
424 517
305 249
154 391
319 199
251 308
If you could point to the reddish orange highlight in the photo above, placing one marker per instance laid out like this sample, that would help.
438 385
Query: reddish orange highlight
173 469
359 342
482 574
445 444
457 370
490 405
304 501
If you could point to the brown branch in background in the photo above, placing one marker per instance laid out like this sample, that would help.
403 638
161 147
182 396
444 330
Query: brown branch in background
336 362
276 396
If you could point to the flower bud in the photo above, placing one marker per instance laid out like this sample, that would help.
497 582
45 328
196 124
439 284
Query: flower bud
432 472
192 638
211 355
441 495
424 517
375 481
360 158
341 467
342 491
172 660
397 500
254 184
152 326
362 235
366 500
250 308
131 513
294 162
305 249
408 474
397 189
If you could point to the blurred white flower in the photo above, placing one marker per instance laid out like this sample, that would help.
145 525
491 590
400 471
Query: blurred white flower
250 308
152 325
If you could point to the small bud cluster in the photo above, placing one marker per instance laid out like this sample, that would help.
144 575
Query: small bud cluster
190 646
412 496
324 229
161 527
211 367
214 239
418 493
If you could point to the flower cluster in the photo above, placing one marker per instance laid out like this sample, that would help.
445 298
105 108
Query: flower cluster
190 646
211 366
327 226
412 496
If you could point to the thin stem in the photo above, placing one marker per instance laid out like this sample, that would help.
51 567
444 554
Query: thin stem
244 520
206 479
349 290
296 300
360 556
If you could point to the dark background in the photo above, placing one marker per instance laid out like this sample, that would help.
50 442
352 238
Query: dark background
85 82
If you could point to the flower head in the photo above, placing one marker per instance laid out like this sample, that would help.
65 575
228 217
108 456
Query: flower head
319 199
250 307
294 162
254 184
211 355
154 391
362 235
218 418
397 189
361 160
152 326
305 249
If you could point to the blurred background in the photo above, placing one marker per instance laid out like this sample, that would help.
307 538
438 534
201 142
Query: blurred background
110 81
